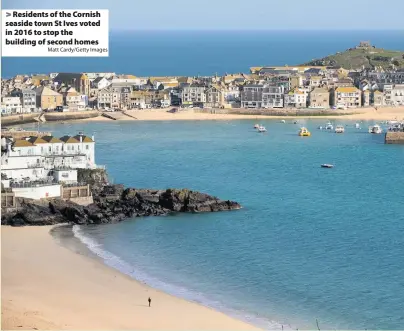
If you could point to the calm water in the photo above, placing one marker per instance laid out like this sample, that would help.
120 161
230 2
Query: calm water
205 53
309 243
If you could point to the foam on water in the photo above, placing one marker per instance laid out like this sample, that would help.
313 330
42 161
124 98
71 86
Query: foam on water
119 264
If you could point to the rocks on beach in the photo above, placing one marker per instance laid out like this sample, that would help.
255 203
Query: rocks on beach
115 203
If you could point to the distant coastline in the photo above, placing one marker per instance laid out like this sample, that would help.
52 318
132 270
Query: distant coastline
205 53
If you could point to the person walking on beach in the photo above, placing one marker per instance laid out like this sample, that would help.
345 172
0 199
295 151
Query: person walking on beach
149 299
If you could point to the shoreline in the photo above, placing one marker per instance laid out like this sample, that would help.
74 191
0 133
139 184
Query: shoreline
47 285
364 114
358 114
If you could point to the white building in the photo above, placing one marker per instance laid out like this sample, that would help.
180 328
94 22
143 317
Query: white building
100 83
127 80
296 99
36 159
272 97
77 101
93 75
193 94
231 95
11 105
394 94
105 98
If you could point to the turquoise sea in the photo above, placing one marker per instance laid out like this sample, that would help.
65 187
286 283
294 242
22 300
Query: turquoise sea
310 243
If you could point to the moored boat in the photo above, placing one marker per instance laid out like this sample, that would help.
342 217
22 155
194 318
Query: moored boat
357 126
262 129
339 129
303 132
375 129
326 165
329 126
256 126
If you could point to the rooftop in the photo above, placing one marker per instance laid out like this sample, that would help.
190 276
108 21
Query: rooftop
37 140
51 139
69 140
346 90
22 143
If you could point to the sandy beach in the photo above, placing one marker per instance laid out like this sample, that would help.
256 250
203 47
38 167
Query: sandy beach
46 286
365 114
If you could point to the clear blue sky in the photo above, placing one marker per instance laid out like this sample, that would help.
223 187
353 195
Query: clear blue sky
237 14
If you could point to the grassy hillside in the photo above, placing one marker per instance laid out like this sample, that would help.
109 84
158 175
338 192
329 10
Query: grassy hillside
355 58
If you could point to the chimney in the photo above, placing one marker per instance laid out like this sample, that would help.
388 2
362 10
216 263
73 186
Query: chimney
92 137
81 138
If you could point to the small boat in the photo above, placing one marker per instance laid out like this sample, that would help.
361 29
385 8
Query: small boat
320 127
357 126
304 132
326 165
295 122
375 129
283 121
339 129
256 126
262 129
329 126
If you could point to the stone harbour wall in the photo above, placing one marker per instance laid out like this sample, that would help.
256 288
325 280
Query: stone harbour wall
394 138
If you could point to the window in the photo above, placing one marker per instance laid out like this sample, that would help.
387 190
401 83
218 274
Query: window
50 149
87 147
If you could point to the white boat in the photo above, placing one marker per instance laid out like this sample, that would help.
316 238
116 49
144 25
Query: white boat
339 129
375 129
256 126
283 121
262 129
326 165
357 126
329 126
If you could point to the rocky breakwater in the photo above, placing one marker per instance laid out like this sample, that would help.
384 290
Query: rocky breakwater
115 203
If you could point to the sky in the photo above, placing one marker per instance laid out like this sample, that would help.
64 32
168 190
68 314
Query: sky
236 14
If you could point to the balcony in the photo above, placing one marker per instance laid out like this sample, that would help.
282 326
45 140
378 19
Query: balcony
64 153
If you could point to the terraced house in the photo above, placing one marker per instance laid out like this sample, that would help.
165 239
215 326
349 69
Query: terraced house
319 98
27 97
150 99
214 97
347 97
394 94
296 99
47 98
272 96
251 96
193 94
